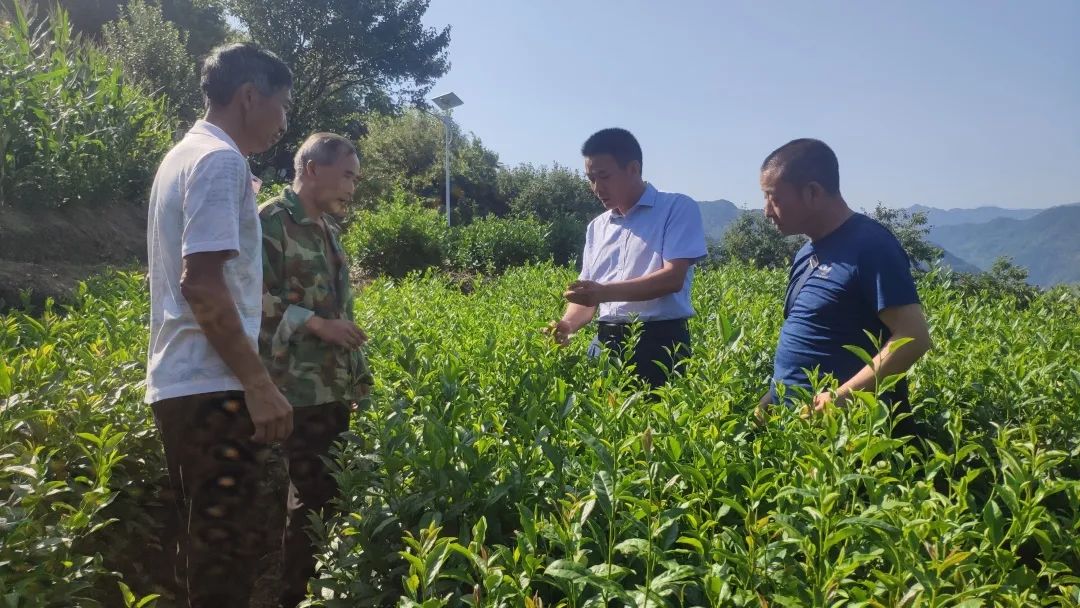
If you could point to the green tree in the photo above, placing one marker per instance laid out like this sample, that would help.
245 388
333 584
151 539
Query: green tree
152 51
203 23
400 151
1004 279
911 229
1007 277
754 239
546 193
348 57
557 195
89 16
202 20
144 34
1005 272
406 151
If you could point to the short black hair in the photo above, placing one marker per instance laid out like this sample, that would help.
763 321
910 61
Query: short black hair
801 161
619 143
230 66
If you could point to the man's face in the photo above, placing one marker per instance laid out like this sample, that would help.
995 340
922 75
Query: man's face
785 204
266 117
615 186
335 184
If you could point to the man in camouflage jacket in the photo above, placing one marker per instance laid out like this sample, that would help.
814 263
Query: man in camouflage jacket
308 340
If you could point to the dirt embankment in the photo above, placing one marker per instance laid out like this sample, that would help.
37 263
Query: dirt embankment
48 251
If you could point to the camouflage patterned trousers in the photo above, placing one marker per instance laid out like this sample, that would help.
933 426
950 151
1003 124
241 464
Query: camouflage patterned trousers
233 496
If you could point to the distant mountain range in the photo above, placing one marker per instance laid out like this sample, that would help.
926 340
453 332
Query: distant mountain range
978 215
951 260
1045 241
715 217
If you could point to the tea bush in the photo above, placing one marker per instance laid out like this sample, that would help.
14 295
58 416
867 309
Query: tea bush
78 452
494 469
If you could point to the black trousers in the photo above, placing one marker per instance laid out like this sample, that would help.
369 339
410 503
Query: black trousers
661 345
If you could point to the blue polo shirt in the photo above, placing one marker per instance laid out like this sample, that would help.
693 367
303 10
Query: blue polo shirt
662 226
855 272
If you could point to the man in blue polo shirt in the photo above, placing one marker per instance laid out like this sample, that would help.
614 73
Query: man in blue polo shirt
638 260
850 278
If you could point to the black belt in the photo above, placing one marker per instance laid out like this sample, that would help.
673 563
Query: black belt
666 322
646 326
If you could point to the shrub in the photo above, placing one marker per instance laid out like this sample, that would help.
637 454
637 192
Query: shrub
497 469
269 191
398 238
566 239
492 244
71 128
493 464
78 448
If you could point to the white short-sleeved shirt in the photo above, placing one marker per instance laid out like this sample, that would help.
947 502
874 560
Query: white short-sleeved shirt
661 226
202 200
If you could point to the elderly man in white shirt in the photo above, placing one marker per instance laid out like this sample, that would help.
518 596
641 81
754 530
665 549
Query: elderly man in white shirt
638 260
213 401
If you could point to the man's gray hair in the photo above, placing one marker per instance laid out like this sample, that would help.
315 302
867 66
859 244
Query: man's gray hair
322 149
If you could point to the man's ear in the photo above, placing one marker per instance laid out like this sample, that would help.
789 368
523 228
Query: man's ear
245 94
634 167
813 193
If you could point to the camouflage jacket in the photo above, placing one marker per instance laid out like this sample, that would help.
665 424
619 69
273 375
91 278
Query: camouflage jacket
299 281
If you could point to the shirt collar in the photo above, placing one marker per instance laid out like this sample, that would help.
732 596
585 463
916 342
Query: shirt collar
295 207
203 127
209 129
648 199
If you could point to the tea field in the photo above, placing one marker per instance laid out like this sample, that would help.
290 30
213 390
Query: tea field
492 468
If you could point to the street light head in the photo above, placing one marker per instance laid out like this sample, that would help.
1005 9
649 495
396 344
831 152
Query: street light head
447 102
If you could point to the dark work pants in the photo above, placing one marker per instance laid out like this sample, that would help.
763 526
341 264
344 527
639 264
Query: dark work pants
233 495
315 429
661 344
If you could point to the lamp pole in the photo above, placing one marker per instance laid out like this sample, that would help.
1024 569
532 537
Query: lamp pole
446 161
446 103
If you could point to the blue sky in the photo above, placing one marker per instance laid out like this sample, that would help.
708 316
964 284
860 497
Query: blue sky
950 104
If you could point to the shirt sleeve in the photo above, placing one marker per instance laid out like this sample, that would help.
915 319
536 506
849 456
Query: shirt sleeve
213 194
684 235
587 255
885 275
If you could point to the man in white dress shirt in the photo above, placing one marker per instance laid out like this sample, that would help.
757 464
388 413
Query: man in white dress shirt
638 260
